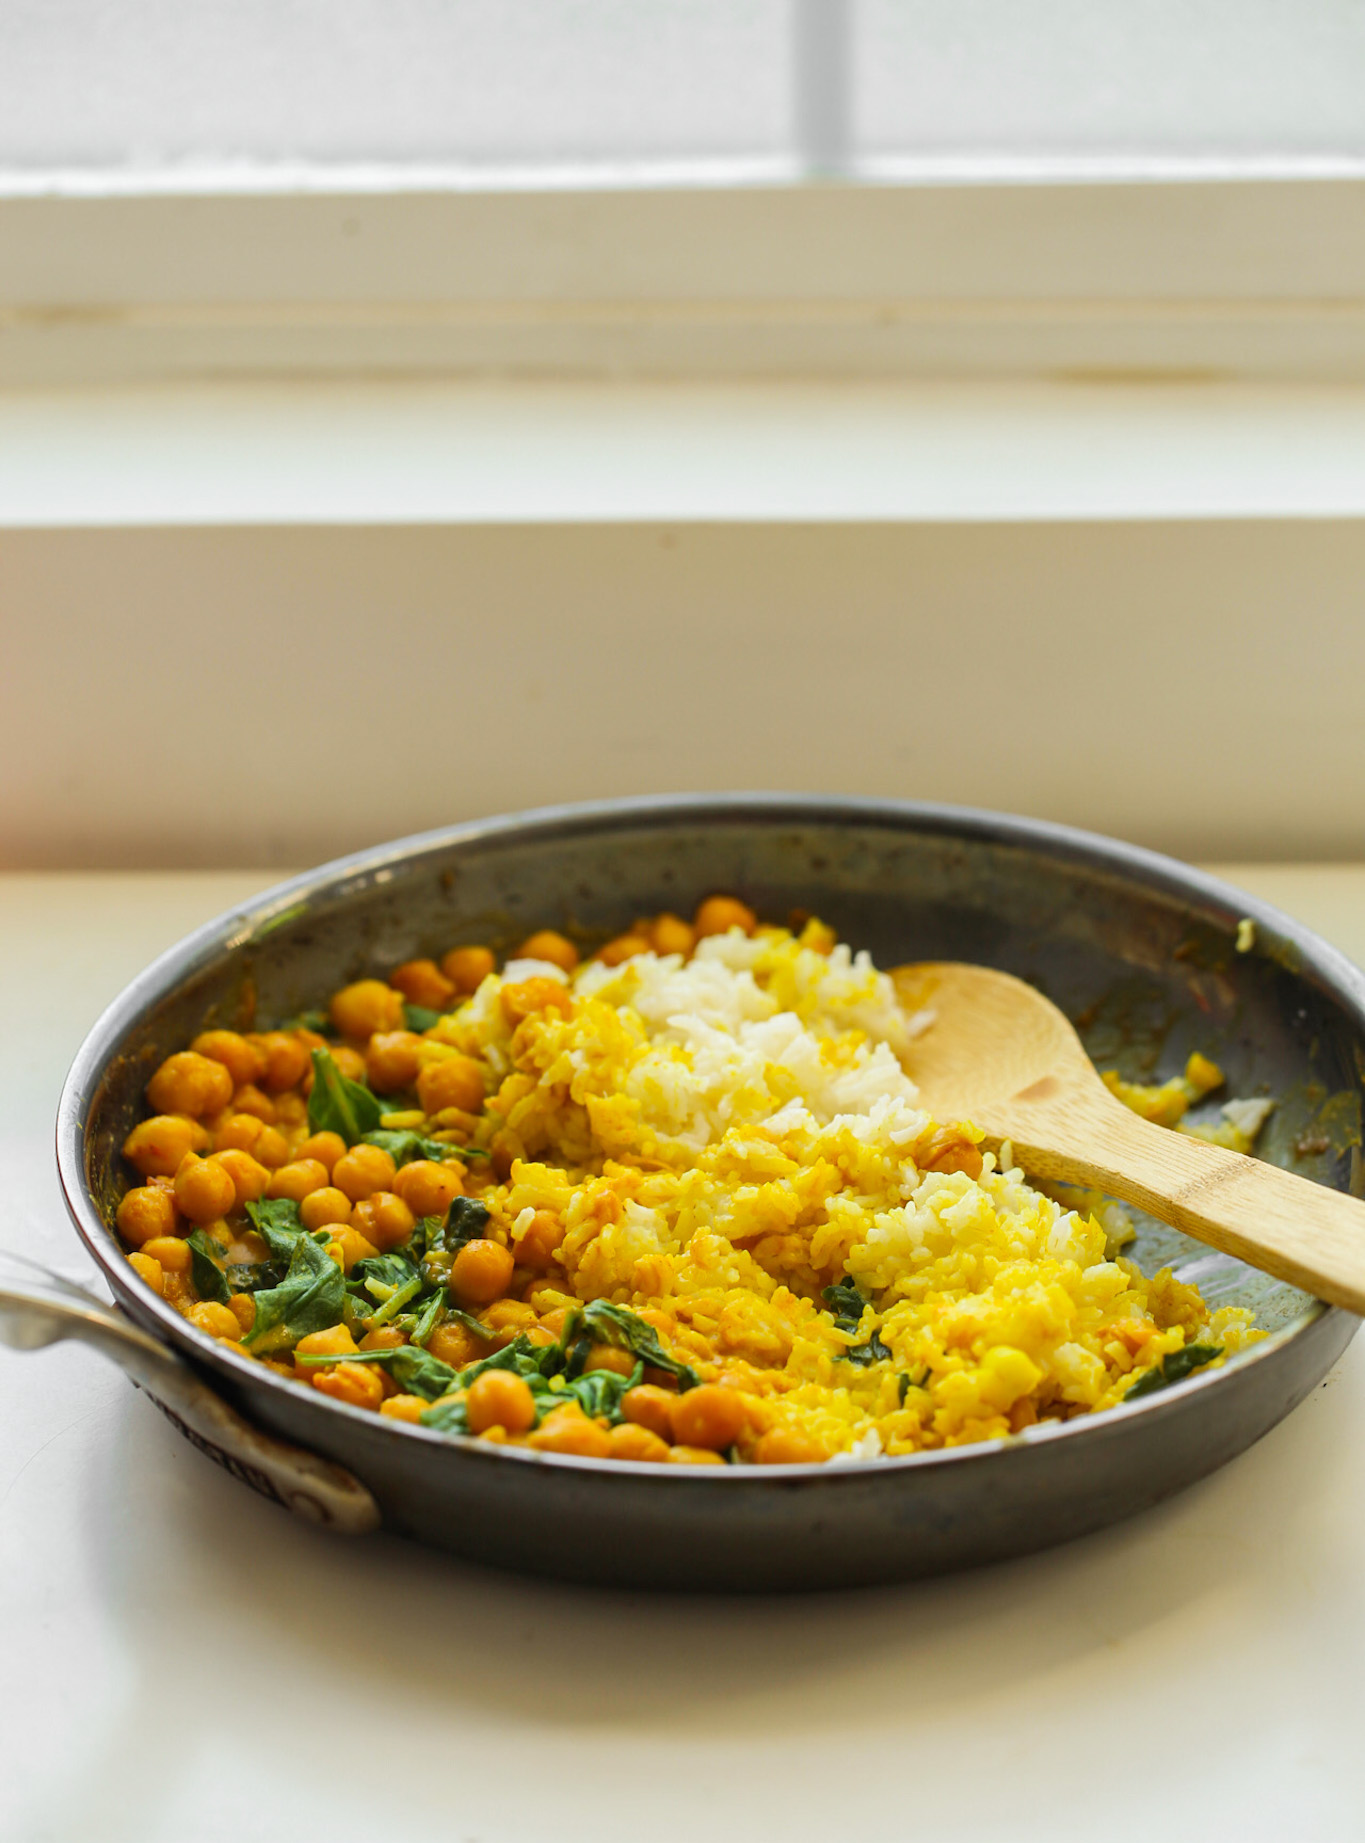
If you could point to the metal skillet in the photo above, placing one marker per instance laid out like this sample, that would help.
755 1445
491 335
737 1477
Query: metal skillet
1140 950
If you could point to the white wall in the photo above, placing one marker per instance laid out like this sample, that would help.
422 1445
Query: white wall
174 88
274 695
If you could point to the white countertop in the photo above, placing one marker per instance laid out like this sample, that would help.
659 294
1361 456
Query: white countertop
182 1661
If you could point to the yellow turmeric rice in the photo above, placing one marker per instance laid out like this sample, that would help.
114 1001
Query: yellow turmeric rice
677 1202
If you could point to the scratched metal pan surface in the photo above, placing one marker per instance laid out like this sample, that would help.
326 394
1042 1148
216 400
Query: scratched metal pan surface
1139 949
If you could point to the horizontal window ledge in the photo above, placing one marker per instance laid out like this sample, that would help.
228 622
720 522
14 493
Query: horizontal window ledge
408 451
1236 277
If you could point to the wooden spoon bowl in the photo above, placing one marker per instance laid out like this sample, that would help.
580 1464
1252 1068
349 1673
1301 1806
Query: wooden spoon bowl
1005 1058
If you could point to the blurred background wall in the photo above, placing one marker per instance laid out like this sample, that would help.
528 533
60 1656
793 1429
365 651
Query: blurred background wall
418 410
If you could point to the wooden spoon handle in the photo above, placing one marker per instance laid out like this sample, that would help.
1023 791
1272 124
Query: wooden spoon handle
1286 1225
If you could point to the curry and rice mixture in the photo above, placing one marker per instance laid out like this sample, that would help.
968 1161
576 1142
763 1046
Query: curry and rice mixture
674 1202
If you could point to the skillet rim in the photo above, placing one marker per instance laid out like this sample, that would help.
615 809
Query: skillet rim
236 928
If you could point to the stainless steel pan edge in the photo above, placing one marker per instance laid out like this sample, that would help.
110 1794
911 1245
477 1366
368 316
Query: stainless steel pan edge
746 1528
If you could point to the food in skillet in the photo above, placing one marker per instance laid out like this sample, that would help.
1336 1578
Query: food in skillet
674 1202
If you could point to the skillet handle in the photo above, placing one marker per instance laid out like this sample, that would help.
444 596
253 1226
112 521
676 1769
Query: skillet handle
313 1488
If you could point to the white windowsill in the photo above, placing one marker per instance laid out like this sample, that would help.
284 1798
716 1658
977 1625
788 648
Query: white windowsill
440 451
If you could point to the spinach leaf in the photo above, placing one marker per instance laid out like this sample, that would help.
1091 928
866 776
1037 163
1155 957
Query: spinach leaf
447 1417
605 1323
846 1304
429 1317
337 1105
205 1272
355 1312
387 1269
278 1223
396 1300
403 1145
521 1356
466 1220
415 1371
420 1017
597 1392
317 1021
251 1276
906 1382
309 1298
873 1351
1174 1368
470 1323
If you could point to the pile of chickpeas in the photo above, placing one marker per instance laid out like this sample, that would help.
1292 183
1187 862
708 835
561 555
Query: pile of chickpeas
230 1126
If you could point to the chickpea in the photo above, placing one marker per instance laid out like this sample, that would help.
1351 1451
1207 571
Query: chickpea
286 1061
291 1110
189 1083
547 945
454 1081
711 1416
238 1133
468 967
525 997
350 1062
633 1442
204 1189
481 1272
249 1176
540 1241
148 1270
650 1407
157 1146
363 1170
335 1341
555 1320
298 1179
788 1446
271 1148
326 1148
170 1253
383 1337
384 1219
216 1320
347 1245
250 1100
428 1188
320 1208
607 1356
423 983
497 1399
369 1005
245 1062
624 947
243 1309
392 1060
359 1384
718 914
694 1455
457 1346
408 1408
671 934
567 1430
948 1148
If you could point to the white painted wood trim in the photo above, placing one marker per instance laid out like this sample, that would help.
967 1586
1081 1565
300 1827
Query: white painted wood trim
1229 277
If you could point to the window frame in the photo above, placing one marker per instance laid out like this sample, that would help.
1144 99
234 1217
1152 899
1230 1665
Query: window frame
1181 277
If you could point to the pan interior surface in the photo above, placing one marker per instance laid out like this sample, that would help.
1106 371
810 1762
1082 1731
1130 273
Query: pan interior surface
1143 955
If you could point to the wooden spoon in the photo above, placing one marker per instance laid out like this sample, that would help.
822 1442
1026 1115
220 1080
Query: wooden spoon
1002 1056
